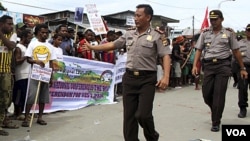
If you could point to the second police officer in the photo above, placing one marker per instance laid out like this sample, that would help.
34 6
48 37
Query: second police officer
216 43
243 83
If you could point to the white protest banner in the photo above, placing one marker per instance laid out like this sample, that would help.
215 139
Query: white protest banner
130 21
120 67
78 15
95 19
41 74
79 82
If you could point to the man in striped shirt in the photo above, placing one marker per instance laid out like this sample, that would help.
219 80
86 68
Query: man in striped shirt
7 44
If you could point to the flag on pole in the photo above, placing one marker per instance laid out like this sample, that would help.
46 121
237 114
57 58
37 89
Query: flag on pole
205 23
105 24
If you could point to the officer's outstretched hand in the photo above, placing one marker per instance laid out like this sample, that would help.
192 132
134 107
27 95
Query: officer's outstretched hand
243 74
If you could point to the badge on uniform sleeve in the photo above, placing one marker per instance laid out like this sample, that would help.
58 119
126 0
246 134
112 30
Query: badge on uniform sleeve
224 35
242 53
164 40
208 44
149 38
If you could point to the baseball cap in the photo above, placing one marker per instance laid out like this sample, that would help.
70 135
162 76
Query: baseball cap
70 29
214 14
21 25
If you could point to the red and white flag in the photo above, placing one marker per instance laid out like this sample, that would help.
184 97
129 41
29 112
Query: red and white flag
205 23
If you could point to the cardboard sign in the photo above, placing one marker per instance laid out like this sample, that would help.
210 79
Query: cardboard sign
78 18
95 19
130 21
41 74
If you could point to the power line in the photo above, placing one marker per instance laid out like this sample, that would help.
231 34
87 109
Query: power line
29 5
171 5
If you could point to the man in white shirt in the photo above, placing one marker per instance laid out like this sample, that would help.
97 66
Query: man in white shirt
41 53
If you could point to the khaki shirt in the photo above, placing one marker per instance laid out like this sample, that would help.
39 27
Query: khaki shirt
218 45
142 50
245 50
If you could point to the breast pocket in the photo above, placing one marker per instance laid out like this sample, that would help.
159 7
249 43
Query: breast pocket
129 43
147 48
224 41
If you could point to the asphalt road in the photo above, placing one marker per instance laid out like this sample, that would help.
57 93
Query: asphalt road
180 115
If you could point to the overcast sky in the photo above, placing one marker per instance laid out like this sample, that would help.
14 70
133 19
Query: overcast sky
236 13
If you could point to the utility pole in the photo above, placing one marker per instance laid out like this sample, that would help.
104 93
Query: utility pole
193 26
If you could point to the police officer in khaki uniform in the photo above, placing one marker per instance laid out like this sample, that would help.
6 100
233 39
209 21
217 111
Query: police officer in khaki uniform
243 83
143 45
216 42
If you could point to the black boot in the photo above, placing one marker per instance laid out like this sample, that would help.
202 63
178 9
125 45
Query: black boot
243 112
215 126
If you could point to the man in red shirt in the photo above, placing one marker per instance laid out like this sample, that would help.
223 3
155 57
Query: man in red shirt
86 54
108 56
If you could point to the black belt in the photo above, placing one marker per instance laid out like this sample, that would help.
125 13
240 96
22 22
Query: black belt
215 60
139 72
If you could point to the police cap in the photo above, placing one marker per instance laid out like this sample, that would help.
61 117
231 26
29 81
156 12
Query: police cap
215 14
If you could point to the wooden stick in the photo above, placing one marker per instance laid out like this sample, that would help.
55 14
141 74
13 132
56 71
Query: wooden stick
188 56
76 33
34 108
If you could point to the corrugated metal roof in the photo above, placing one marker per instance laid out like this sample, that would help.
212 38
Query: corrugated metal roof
190 31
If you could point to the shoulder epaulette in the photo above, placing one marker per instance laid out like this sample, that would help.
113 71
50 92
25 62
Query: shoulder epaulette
131 28
159 31
229 29
205 30
164 39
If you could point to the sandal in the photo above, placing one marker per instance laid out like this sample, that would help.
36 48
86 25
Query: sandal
41 122
20 117
25 124
3 133
10 125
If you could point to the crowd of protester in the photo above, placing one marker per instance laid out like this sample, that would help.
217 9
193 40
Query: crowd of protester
183 52
18 40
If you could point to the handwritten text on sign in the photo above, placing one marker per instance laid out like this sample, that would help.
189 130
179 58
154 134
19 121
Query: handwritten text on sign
41 74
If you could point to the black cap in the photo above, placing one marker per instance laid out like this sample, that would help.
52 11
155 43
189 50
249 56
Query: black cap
215 14
248 27
70 29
